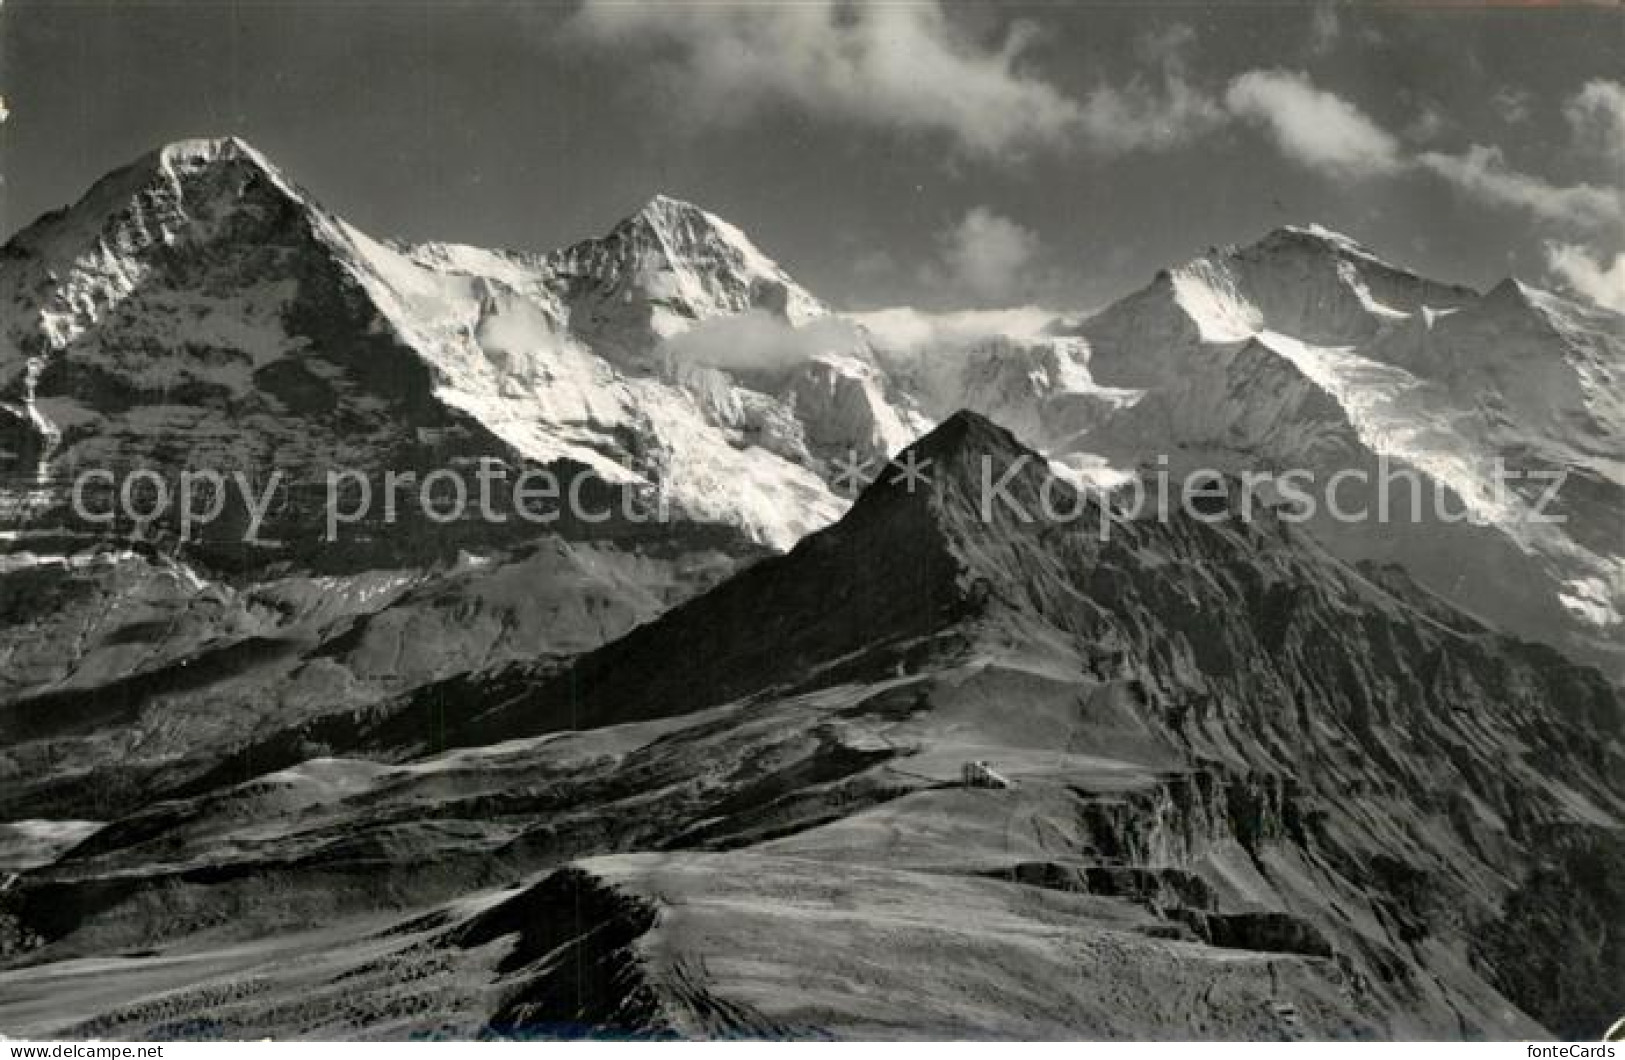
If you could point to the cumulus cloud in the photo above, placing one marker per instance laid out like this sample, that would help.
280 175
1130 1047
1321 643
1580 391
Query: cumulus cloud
1600 281
758 339
896 66
1313 127
1483 173
1596 113
985 256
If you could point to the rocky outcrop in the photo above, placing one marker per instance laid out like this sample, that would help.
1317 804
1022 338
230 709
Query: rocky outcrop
573 962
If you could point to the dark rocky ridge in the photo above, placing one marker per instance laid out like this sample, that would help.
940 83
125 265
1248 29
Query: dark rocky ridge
1386 780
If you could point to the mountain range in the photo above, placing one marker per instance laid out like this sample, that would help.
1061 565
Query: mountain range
821 754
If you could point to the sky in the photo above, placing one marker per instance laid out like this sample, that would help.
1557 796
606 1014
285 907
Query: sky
963 156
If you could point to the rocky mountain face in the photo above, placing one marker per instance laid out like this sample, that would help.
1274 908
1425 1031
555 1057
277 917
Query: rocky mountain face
1245 775
198 307
664 268
198 311
1325 815
1473 439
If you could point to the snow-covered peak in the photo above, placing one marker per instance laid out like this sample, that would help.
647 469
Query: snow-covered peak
197 300
148 224
205 178
1317 236
684 228
1546 365
1306 281
667 266
1512 303
680 235
158 197
666 209
204 152
1297 247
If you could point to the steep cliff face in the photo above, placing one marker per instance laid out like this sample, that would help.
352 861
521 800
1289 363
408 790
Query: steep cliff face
197 309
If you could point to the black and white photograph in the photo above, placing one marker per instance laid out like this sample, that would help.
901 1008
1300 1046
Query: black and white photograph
812 520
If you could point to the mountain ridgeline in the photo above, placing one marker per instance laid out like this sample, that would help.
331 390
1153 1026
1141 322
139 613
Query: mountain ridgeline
1107 772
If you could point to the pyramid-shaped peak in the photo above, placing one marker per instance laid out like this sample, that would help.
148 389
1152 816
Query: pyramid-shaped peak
204 168
205 159
667 212
1512 291
677 254
958 456
683 226
1514 297
663 205
151 199
967 433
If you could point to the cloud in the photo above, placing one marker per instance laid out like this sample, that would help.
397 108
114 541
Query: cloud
5 112
1596 113
907 331
1324 29
985 257
1602 282
1512 104
980 259
885 65
1482 172
1143 117
1313 127
1429 123
896 66
758 339
1334 137
1152 113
